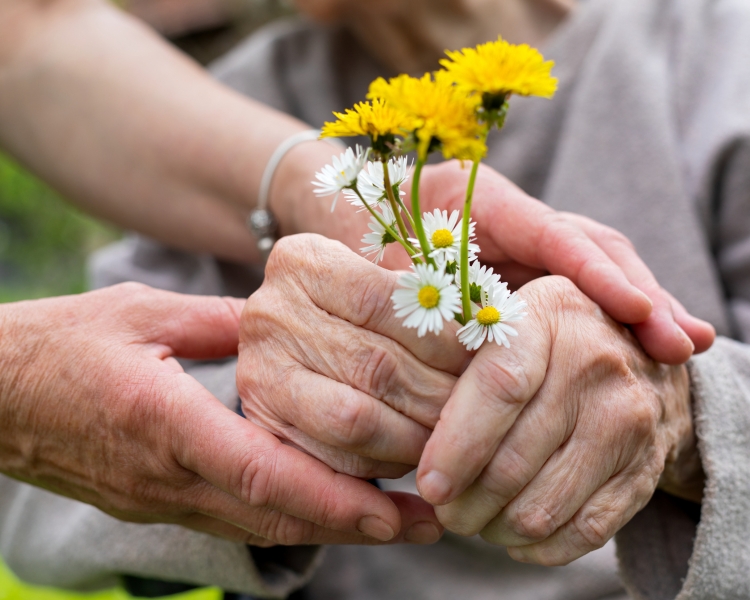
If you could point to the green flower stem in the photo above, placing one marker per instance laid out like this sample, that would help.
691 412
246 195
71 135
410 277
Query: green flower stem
394 206
406 212
465 289
417 212
407 246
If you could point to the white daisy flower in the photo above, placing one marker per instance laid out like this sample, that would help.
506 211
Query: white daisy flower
371 183
480 278
444 235
379 237
489 322
342 174
428 298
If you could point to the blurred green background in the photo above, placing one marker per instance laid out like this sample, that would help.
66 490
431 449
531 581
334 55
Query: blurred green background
43 241
12 589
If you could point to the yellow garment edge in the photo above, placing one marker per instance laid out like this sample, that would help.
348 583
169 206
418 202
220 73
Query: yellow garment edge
13 589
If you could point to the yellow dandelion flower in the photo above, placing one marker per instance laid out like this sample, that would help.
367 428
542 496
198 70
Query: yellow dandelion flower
442 115
500 69
376 119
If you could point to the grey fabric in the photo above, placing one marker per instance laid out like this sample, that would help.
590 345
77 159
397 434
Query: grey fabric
457 567
718 567
649 133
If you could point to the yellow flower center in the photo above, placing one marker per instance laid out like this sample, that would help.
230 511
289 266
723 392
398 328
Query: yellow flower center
429 296
442 238
489 315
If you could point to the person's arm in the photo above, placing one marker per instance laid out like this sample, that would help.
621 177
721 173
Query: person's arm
130 129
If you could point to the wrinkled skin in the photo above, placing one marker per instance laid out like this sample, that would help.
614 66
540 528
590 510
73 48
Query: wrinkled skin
574 408
113 420
571 430
325 365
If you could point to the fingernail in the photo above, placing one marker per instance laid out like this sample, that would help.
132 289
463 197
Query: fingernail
375 527
435 487
681 333
422 533
645 297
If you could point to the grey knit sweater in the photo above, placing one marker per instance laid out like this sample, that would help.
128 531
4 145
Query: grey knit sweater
649 133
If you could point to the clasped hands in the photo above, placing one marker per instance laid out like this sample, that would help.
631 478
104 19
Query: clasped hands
548 447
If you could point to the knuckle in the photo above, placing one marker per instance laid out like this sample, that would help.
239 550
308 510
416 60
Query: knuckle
644 417
535 523
555 230
371 301
257 476
286 253
257 307
504 380
591 530
614 238
375 369
356 424
122 296
557 295
504 479
566 294
295 254
635 417
131 289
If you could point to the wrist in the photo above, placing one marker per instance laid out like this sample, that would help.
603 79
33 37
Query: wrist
683 474
296 207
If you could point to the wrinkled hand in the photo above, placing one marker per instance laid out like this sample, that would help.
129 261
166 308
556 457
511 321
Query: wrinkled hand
94 406
524 239
551 446
326 365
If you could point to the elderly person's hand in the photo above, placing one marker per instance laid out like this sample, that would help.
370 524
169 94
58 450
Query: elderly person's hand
551 446
327 367
95 407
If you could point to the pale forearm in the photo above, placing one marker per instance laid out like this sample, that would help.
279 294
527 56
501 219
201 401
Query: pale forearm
133 131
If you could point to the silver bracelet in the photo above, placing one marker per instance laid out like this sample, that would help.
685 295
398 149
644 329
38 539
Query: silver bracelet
261 221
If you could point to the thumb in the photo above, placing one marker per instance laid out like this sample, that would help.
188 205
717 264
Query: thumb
252 465
198 327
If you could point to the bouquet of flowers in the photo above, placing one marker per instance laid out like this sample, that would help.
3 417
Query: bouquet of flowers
451 111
